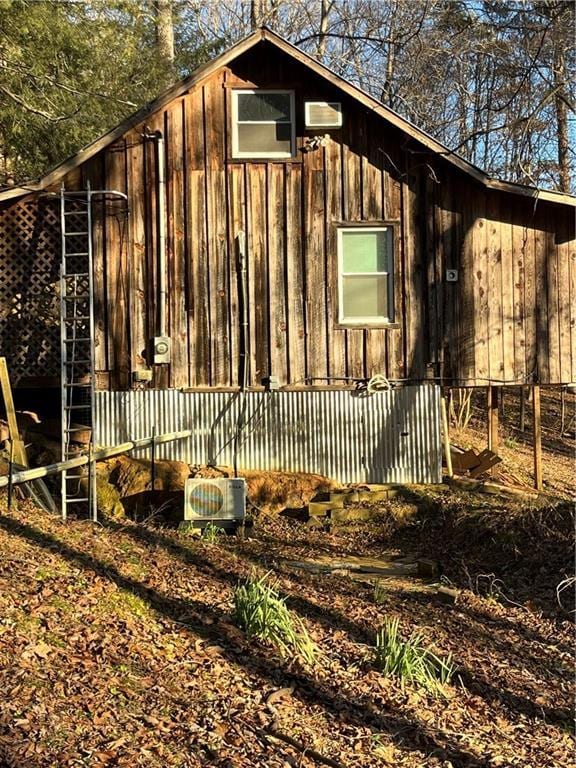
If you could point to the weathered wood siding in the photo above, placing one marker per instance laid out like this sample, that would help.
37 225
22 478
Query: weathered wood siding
510 316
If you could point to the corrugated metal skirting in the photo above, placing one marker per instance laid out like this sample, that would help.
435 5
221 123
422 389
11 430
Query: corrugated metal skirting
385 437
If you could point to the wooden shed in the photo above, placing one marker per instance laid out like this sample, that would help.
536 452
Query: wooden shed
363 246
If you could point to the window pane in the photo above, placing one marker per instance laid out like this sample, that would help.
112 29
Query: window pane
264 106
365 297
365 251
265 138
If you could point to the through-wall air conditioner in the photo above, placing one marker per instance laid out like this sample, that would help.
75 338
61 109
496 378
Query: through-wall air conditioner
222 499
323 114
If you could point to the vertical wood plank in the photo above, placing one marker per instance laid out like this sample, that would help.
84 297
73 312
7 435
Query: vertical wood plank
507 295
295 276
373 209
480 262
176 241
217 240
519 236
413 283
333 214
237 212
95 175
352 198
562 254
431 269
198 303
530 299
138 270
553 300
116 229
276 269
315 261
445 260
395 360
494 265
542 298
257 272
570 250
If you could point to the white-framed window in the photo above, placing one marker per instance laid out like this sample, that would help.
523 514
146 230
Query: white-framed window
366 275
263 123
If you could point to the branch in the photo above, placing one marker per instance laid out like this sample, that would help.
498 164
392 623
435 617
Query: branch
29 108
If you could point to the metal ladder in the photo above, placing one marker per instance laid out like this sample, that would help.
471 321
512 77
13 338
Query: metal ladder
77 363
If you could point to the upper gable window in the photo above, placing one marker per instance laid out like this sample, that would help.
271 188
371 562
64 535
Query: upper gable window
263 123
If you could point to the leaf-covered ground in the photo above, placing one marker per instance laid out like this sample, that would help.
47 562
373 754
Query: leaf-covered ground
117 649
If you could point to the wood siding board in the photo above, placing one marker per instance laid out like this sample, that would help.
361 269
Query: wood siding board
257 272
507 293
95 175
137 254
431 269
237 216
571 255
295 276
178 330
315 261
373 208
541 285
333 213
413 278
529 296
465 291
352 183
444 259
214 121
277 273
562 251
555 373
118 304
519 235
481 287
495 317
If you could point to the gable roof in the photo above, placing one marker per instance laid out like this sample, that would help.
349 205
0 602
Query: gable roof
265 34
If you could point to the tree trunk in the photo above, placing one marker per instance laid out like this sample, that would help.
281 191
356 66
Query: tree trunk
325 7
164 30
562 120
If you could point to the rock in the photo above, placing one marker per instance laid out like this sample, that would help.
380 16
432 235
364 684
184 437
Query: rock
132 476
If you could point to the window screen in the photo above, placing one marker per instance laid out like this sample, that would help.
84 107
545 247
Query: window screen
263 123
365 270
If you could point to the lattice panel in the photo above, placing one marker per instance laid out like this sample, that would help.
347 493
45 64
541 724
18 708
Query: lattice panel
29 288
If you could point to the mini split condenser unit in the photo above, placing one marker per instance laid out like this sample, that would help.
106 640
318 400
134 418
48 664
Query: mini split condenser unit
323 114
222 499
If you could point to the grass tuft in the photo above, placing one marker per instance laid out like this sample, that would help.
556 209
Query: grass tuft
410 660
211 533
262 613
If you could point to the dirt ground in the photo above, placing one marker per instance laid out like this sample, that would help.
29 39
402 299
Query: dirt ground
117 646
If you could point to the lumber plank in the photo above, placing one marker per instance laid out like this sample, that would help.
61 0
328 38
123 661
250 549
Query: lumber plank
217 235
541 287
257 272
333 213
519 237
295 276
481 281
494 267
237 214
117 273
136 196
277 321
373 210
413 281
507 294
553 301
315 262
561 227
176 242
352 208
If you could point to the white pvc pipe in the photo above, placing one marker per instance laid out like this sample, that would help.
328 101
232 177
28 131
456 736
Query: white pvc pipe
24 475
